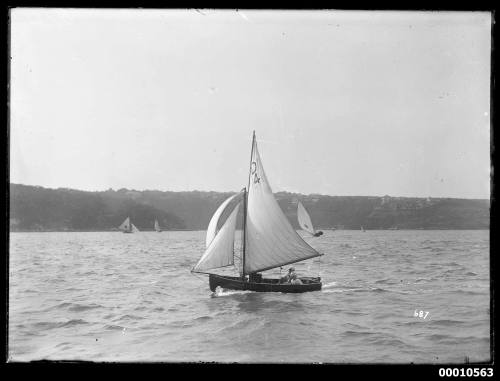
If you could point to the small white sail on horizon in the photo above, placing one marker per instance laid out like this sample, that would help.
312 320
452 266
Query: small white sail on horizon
304 219
212 226
125 224
220 252
271 241
128 227
157 226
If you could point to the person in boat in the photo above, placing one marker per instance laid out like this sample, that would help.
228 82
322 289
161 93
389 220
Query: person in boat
288 278
317 234
295 280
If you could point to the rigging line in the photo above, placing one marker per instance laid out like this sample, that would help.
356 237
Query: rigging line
319 266
197 276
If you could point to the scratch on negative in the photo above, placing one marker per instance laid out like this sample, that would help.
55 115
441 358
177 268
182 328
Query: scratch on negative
242 15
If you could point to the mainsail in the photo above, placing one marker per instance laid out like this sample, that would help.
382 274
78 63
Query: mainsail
212 226
304 219
270 239
157 226
125 225
220 252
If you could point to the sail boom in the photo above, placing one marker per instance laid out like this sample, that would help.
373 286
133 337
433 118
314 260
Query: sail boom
285 263
206 272
216 267
200 272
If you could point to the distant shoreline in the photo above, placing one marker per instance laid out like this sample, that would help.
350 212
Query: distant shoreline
34 209
202 230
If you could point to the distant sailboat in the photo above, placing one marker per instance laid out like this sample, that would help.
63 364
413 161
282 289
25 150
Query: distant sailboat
157 226
128 227
269 240
362 229
305 221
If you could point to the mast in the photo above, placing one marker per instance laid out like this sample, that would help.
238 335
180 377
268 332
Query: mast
244 231
245 208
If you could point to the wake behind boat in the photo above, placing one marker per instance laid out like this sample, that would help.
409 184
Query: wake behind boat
269 240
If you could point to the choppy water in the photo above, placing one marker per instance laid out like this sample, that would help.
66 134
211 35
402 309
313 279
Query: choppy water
131 297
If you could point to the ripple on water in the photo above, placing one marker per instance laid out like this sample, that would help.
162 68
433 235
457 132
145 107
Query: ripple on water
75 307
114 327
128 302
48 325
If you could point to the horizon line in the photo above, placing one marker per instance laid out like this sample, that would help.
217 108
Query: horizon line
212 191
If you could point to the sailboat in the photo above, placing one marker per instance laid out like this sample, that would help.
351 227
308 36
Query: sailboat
362 229
269 240
305 221
128 227
157 226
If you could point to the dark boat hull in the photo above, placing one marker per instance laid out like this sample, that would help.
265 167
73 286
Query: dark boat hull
264 285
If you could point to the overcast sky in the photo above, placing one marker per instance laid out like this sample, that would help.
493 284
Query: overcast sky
343 103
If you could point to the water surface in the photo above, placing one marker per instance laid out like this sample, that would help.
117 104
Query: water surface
131 297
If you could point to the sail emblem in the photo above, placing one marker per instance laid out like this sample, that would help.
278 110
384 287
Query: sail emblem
253 171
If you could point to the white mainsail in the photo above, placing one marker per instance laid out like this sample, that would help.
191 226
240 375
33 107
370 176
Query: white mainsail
220 252
212 226
157 226
271 241
125 225
304 219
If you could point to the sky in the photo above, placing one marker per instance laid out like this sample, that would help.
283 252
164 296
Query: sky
361 103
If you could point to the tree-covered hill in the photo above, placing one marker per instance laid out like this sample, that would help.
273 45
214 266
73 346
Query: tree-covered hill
34 208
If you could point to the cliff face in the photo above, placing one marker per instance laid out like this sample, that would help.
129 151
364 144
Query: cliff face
38 209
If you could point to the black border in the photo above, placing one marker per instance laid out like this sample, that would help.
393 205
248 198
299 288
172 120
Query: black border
417 371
